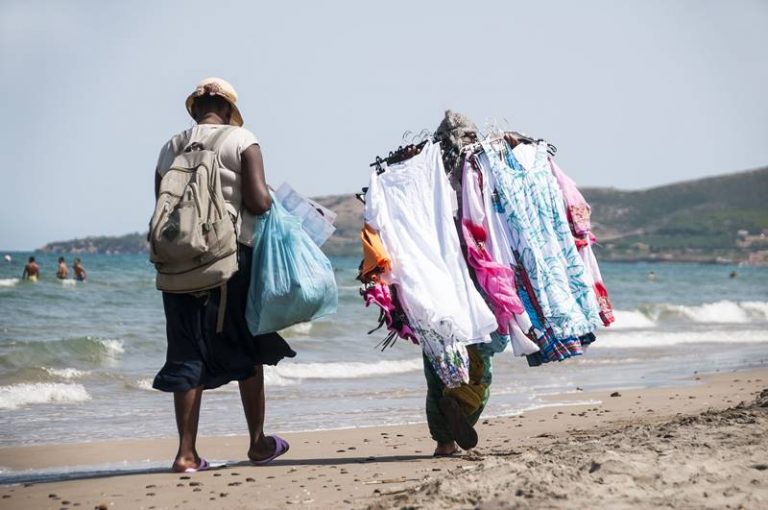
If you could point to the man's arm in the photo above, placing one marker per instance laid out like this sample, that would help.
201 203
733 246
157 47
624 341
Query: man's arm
256 197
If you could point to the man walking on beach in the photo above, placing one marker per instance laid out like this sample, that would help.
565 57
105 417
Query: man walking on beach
209 343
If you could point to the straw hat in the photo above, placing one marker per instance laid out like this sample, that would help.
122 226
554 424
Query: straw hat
217 87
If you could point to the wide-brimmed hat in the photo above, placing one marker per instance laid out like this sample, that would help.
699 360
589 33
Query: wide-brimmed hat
217 87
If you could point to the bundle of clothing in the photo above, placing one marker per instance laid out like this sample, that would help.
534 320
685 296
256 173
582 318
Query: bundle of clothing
482 242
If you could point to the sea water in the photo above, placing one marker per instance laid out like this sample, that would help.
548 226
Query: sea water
77 359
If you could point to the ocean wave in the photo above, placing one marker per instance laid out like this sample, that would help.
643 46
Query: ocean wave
44 353
66 373
9 282
297 330
273 378
631 320
112 348
639 339
142 384
719 312
23 394
756 309
348 370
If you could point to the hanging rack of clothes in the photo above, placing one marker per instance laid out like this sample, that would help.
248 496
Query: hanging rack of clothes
487 157
402 153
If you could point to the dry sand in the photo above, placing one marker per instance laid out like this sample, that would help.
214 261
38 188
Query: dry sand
700 445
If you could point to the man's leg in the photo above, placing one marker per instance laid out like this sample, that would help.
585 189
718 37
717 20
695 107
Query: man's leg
187 407
438 428
480 373
252 395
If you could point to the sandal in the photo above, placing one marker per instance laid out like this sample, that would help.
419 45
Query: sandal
281 446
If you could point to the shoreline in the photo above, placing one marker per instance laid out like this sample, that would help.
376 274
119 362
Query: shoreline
356 468
564 398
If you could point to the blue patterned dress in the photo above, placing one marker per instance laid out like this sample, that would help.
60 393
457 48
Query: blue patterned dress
542 241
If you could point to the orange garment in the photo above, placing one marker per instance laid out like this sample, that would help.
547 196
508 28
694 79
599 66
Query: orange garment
375 258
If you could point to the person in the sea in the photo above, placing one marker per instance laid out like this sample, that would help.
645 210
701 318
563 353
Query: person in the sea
62 272
80 273
31 270
197 357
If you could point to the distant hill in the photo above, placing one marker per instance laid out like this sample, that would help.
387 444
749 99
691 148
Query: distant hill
706 220
129 243
717 217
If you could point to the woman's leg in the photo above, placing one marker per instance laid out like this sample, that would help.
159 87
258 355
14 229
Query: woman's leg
187 407
252 395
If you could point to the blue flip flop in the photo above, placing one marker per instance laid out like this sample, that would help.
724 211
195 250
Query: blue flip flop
281 446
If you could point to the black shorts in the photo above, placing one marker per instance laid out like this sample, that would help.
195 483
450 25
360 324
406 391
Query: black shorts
197 355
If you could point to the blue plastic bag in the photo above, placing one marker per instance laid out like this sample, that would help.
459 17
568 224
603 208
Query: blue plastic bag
292 280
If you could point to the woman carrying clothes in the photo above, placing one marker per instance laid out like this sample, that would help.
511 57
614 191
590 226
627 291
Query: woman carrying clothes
198 357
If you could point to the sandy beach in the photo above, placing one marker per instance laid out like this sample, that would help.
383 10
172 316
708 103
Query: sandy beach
700 444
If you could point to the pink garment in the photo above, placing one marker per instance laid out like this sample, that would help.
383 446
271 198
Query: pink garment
590 264
378 294
496 280
577 208
579 219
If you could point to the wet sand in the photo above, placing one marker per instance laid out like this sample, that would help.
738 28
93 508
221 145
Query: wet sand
702 444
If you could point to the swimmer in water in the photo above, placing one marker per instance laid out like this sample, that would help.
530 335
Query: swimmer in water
31 270
62 272
80 274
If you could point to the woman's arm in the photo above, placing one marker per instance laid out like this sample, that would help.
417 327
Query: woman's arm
256 197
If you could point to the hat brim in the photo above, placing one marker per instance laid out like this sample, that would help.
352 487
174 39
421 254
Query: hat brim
235 118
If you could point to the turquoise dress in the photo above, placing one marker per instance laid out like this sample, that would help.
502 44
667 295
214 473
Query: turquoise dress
532 206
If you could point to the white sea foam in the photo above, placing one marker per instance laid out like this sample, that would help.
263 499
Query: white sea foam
634 340
756 309
19 395
300 329
631 320
112 348
8 282
66 373
719 312
349 370
726 312
144 384
273 378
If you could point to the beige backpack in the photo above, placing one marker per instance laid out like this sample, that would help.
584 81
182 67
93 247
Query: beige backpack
192 238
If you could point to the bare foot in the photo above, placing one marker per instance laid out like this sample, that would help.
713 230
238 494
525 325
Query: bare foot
446 449
262 449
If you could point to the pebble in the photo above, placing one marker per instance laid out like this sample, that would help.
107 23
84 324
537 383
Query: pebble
615 394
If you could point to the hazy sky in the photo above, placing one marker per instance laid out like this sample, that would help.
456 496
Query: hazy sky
634 93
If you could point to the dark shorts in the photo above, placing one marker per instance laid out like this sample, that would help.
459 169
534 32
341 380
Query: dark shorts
197 355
